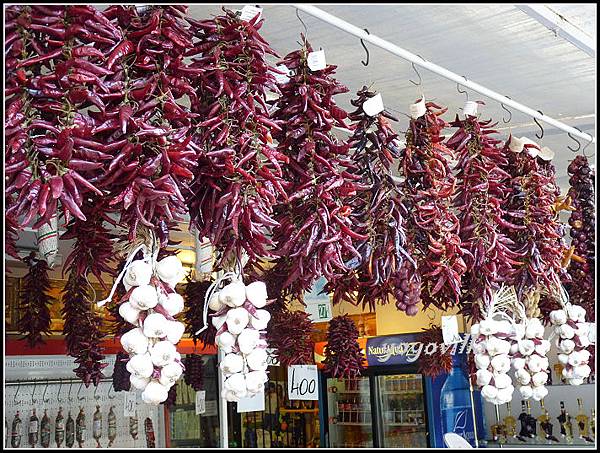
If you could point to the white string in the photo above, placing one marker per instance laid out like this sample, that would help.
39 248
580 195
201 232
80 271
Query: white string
127 265
211 289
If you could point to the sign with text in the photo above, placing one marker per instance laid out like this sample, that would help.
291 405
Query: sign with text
318 303
254 403
303 382
200 402
211 409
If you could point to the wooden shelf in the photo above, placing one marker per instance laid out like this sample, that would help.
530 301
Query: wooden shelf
353 424
297 411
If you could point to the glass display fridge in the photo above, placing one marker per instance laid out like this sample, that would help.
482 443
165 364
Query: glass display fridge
393 406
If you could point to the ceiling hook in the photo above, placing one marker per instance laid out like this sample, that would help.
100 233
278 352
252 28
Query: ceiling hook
58 393
96 396
506 110
70 388
362 43
303 24
576 141
465 92
539 125
16 393
110 390
418 75
44 395
585 147
78 391
33 401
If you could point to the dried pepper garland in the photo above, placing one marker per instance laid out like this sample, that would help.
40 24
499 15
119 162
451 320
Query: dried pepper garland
51 160
35 302
120 376
289 335
377 271
193 374
315 230
535 229
194 301
238 178
432 227
481 190
583 224
343 356
438 362
82 330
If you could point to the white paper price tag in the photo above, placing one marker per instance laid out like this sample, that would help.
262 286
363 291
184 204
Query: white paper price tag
200 402
316 60
130 404
470 108
249 11
418 109
302 382
272 359
282 78
374 105
450 330
254 403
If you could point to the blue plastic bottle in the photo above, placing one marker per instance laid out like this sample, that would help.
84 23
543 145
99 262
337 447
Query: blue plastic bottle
455 404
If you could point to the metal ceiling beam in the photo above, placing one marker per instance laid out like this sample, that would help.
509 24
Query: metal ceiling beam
405 54
561 27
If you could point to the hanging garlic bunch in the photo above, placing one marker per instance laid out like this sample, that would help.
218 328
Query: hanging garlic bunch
530 362
574 336
495 337
151 304
241 322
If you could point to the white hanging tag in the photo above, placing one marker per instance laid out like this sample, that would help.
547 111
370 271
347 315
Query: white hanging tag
450 330
249 12
204 257
200 402
303 382
470 108
515 144
546 154
374 105
130 403
316 60
47 241
282 79
417 110
255 403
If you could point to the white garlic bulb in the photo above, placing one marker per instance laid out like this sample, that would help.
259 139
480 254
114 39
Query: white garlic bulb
233 295
237 320
225 341
155 326
138 382
170 373
155 393
174 331
138 273
169 268
140 365
257 360
173 304
232 363
247 340
162 353
134 341
256 293
129 313
260 320
144 297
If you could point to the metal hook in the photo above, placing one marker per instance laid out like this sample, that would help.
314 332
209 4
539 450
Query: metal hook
80 399
44 395
96 397
303 24
33 401
506 110
540 126
16 393
362 43
58 393
585 147
69 395
418 75
110 391
576 141
465 92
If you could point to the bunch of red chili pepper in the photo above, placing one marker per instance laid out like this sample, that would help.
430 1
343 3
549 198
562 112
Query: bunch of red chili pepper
314 230
239 174
482 187
582 222
531 206
432 227
377 212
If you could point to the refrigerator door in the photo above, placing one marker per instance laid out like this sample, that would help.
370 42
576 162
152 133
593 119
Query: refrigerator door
402 406
349 410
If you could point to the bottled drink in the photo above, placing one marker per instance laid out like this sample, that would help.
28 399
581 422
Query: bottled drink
455 404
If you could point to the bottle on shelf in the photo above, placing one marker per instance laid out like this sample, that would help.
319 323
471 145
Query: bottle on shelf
509 422
593 424
566 427
546 424
526 427
583 422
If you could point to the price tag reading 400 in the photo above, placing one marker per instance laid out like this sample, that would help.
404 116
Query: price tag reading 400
302 382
